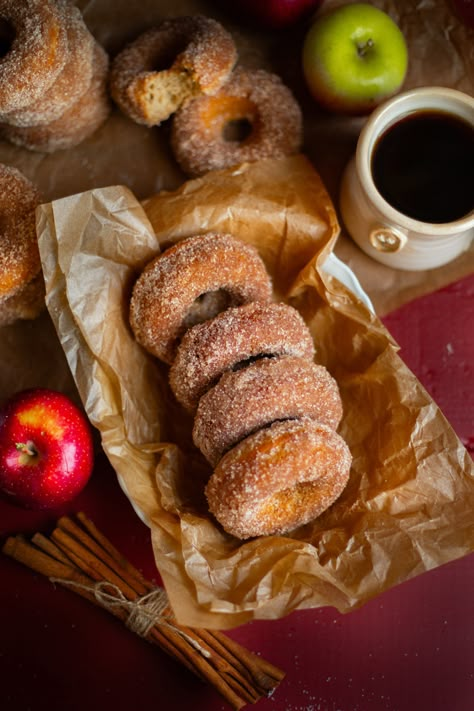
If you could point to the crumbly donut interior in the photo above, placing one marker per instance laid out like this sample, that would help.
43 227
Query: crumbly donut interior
161 93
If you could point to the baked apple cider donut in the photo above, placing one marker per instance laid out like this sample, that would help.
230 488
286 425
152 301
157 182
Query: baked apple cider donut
78 122
164 66
191 282
252 117
232 339
34 44
72 81
21 279
270 389
279 478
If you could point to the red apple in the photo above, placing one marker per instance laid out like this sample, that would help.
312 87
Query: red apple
46 449
272 14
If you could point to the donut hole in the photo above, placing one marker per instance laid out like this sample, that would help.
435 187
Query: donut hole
7 36
206 306
231 117
237 130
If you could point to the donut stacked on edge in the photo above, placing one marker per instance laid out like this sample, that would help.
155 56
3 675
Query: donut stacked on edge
53 75
184 69
21 278
265 414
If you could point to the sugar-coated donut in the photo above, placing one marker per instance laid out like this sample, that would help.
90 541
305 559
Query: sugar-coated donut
36 42
279 478
72 81
21 285
253 397
255 98
77 123
190 282
152 76
232 338
26 304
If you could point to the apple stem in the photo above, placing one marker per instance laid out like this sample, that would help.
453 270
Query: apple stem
27 448
362 49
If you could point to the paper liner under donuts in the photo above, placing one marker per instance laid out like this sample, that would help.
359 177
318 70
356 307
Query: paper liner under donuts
408 506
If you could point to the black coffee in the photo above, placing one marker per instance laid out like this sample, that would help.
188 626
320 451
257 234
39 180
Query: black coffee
423 165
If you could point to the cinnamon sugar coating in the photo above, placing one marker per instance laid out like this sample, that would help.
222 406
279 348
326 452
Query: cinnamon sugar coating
37 51
233 337
20 262
78 122
253 397
188 283
279 478
26 304
255 98
164 66
72 81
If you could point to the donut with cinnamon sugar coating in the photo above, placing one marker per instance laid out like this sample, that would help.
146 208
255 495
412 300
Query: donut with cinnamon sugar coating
36 50
78 122
72 81
253 397
278 478
254 99
21 283
152 76
230 340
26 304
190 282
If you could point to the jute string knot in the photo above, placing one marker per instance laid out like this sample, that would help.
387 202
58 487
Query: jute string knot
143 613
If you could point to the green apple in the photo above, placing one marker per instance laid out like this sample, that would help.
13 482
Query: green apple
354 57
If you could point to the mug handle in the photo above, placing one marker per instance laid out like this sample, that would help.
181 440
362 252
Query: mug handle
387 239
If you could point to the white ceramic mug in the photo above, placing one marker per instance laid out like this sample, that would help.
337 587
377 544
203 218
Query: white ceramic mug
383 232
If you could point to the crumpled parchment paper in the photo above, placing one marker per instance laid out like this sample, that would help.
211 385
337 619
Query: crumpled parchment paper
409 504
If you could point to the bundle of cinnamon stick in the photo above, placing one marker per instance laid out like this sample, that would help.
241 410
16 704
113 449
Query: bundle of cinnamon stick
77 555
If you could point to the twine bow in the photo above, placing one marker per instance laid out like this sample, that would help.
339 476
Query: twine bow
143 613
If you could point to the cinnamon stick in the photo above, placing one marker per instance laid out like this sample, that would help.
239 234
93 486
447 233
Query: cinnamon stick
78 556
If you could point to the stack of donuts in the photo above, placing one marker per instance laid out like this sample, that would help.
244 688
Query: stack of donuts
53 75
265 414
21 277
184 69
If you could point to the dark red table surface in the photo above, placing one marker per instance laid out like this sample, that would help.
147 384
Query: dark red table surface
410 649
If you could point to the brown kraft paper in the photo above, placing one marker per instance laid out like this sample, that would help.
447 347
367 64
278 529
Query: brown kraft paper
408 505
